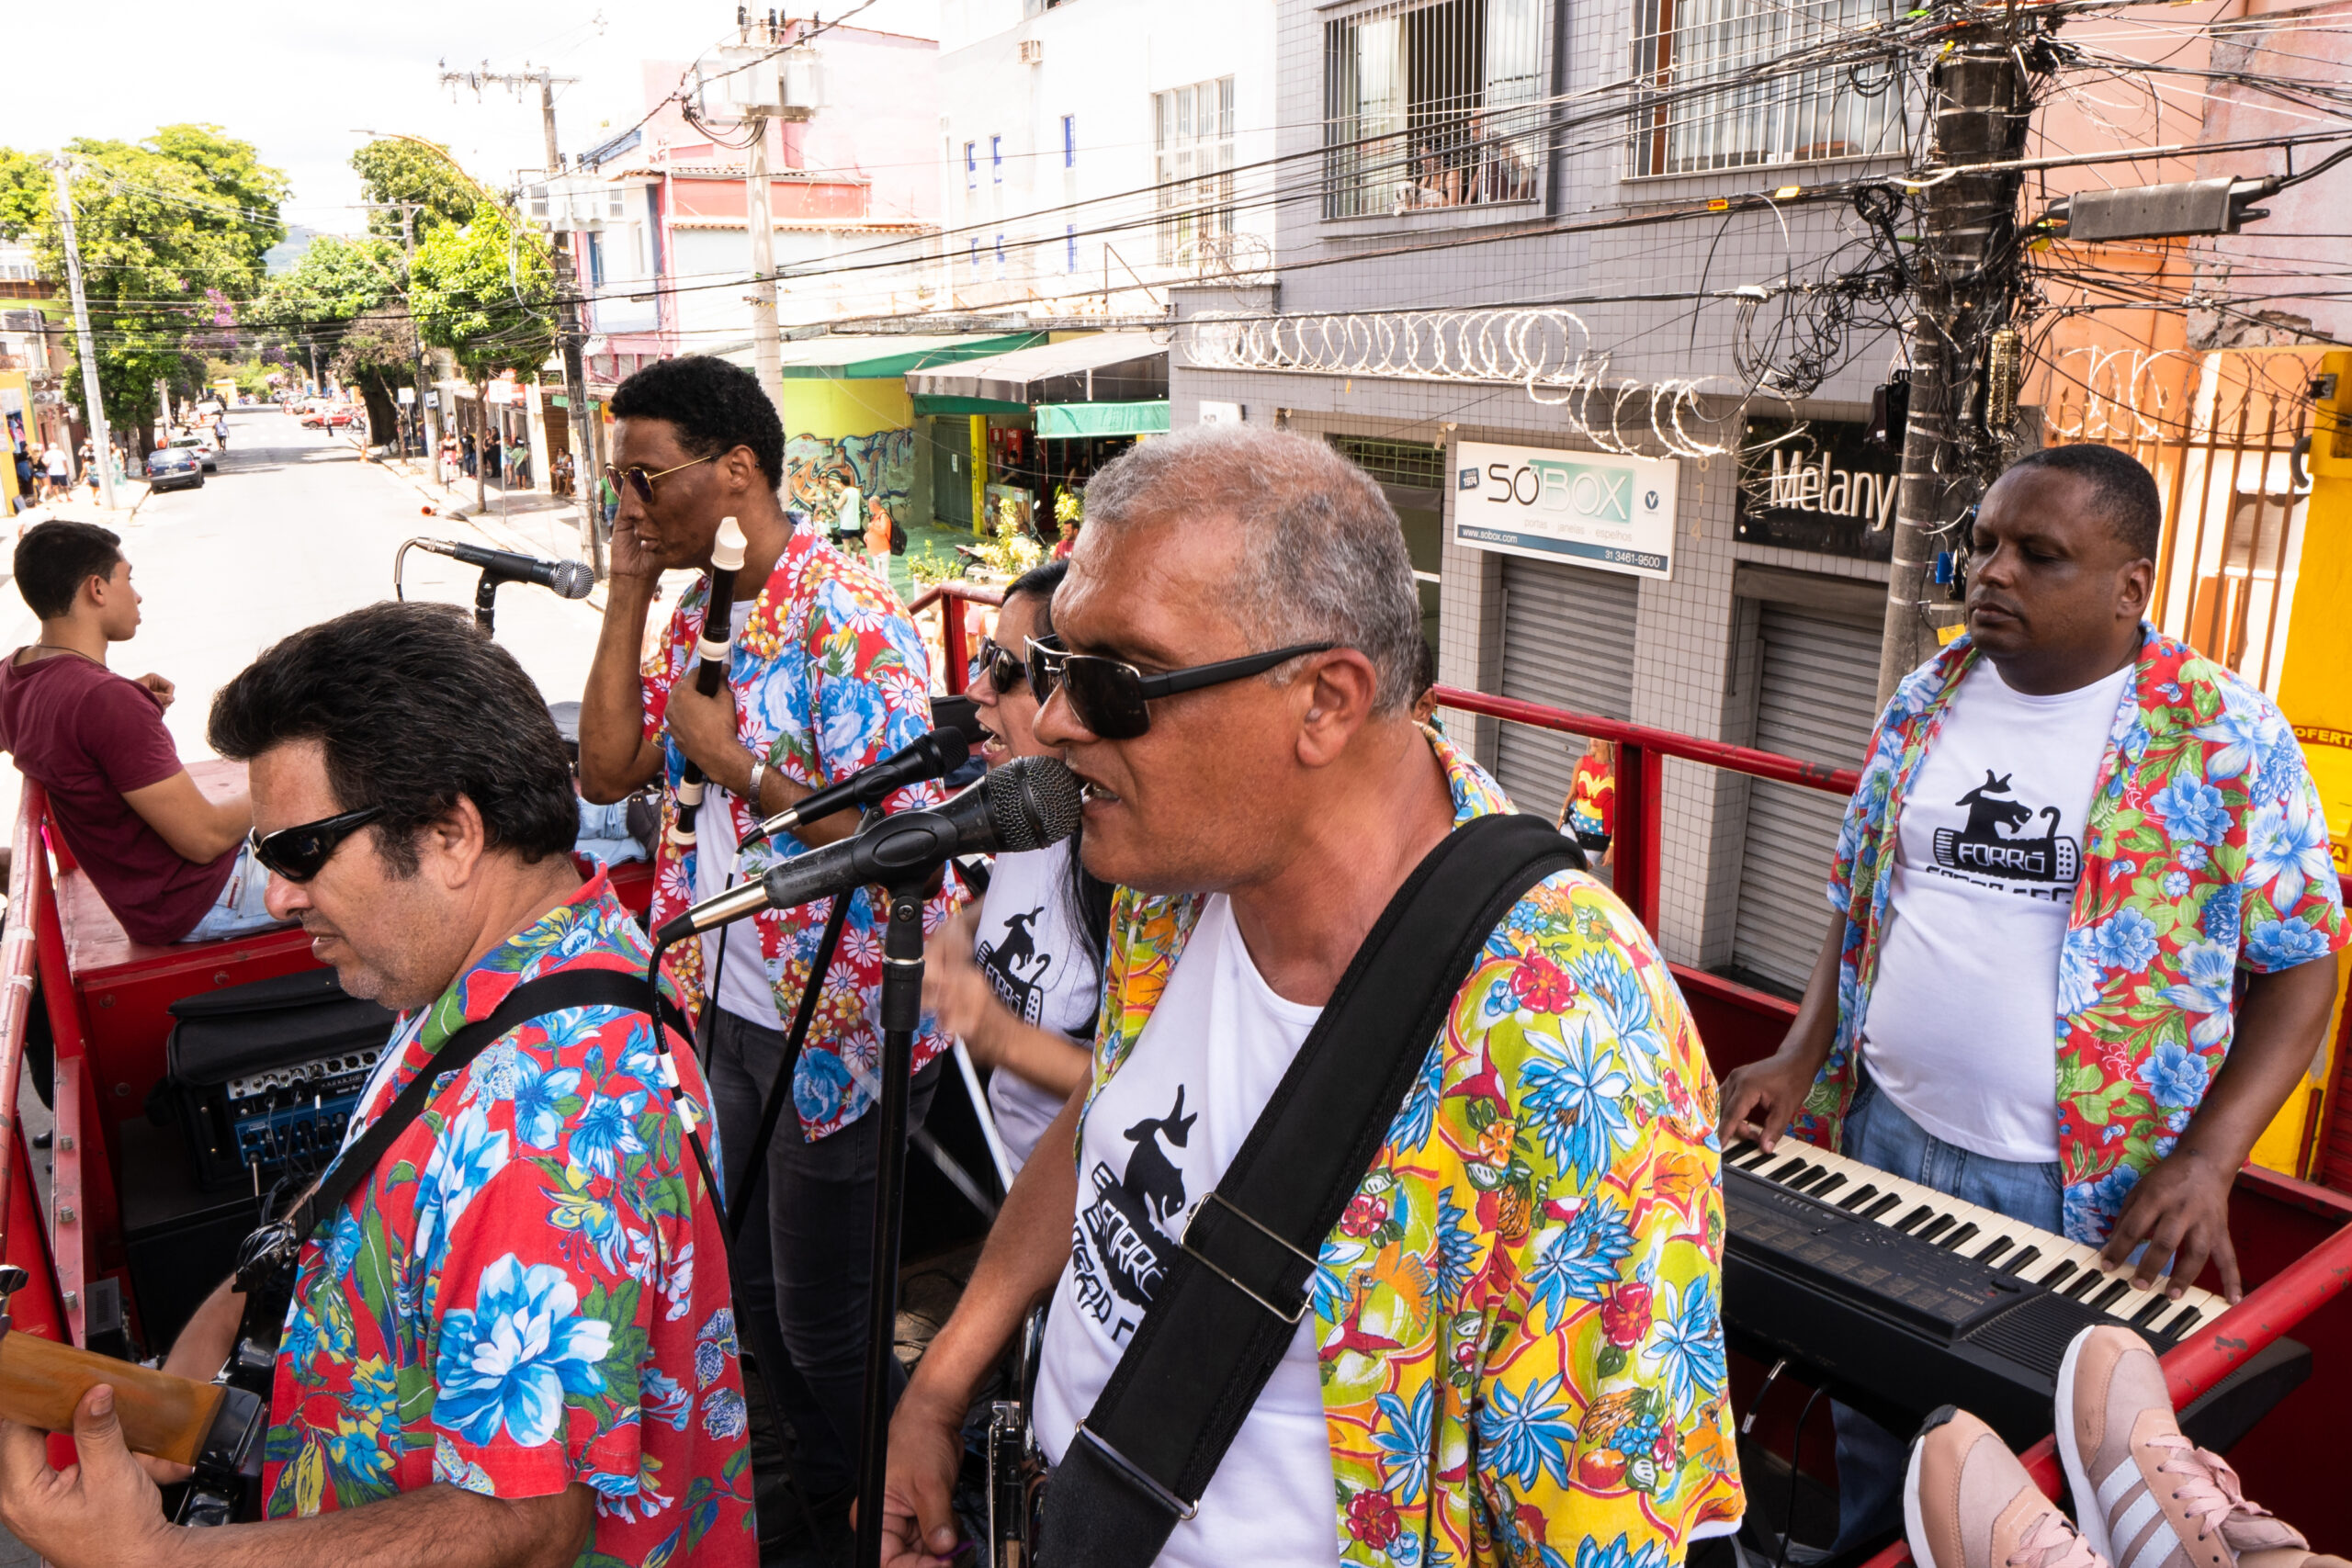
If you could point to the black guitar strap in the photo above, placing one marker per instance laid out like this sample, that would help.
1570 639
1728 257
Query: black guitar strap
1238 1290
273 1247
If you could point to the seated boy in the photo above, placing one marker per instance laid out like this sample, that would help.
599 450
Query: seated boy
172 864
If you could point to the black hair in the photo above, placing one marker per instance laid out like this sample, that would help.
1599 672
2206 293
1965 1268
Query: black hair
415 706
716 407
54 558
2127 491
1424 669
1086 898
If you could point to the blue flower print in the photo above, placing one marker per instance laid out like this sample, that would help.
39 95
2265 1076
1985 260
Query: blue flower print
2126 940
2175 883
1581 1262
1456 1247
2078 972
467 1155
2208 972
2168 690
1525 1435
605 1132
343 1243
820 1088
507 1363
2286 846
849 713
723 1414
2092 1206
451 1468
1578 1098
1687 1341
2283 944
713 1348
2222 918
2192 856
2247 729
664 1398
629 1496
1402 1435
2192 810
1620 1553
539 1118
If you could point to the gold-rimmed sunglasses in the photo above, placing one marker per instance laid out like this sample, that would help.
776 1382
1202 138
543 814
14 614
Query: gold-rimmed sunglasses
641 481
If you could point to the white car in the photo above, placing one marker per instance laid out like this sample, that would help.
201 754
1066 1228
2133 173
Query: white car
207 450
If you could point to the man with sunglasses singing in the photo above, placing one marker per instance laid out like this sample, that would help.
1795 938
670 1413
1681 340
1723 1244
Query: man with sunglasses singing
826 676
1514 1351
508 1342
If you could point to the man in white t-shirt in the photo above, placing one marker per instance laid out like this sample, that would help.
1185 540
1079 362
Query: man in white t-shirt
2074 839
1530 1270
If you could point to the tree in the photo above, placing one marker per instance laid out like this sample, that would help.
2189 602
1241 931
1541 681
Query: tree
394 170
377 354
172 232
486 293
339 286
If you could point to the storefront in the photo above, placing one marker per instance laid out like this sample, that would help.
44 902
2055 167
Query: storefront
1008 435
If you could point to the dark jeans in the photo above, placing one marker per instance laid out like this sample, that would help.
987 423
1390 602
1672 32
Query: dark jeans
803 1261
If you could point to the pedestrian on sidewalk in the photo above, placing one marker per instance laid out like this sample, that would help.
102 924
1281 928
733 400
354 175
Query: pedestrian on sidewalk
445 466
466 449
491 450
57 467
518 467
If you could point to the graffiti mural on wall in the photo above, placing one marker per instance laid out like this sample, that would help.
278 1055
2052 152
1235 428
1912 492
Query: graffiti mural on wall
882 466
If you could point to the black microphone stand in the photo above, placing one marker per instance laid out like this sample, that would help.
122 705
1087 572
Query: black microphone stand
901 1013
486 599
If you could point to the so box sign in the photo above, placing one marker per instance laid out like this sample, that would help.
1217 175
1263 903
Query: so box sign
1589 509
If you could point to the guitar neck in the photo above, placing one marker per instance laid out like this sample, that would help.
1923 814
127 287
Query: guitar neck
161 1414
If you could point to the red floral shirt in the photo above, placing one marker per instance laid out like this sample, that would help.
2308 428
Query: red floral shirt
530 1290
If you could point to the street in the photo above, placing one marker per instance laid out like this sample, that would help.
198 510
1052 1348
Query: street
293 529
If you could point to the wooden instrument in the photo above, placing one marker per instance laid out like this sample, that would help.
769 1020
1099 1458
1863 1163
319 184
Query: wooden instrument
711 655
169 1416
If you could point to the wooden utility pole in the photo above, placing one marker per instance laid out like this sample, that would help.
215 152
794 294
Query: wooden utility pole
93 402
1966 268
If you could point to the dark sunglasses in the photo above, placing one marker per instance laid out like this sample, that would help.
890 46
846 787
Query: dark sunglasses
641 481
1109 695
1004 669
301 852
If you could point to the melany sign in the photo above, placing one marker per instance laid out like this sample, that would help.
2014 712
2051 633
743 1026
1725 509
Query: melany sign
1826 488
1589 509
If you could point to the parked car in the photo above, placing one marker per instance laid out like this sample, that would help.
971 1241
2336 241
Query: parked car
175 468
207 450
339 416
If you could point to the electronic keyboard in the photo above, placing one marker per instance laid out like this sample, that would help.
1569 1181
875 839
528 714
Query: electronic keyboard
1900 1299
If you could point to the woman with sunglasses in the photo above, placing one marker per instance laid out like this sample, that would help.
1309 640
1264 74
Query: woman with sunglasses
1016 977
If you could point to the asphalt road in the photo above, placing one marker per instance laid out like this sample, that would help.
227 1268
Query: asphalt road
292 529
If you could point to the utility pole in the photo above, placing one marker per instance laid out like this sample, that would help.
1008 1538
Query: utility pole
93 402
429 433
767 346
568 335
1964 271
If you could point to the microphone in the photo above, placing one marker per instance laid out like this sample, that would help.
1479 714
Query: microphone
568 578
1027 803
926 756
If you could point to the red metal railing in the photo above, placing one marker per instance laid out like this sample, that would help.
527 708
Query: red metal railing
948 598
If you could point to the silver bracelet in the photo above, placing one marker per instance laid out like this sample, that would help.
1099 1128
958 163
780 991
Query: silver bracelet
759 772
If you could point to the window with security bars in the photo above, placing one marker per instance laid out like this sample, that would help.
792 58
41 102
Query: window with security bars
1191 135
1415 464
1432 104
1733 84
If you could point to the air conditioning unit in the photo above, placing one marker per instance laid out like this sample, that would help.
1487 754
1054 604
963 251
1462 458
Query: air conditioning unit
1033 52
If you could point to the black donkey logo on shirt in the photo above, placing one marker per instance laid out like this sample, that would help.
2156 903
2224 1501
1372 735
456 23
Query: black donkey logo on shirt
1997 838
1004 960
1121 1226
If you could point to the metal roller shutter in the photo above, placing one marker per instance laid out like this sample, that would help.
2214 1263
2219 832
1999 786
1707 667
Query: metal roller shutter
1567 642
1817 698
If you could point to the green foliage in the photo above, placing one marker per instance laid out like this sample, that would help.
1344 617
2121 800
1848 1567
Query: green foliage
172 232
394 170
337 280
486 293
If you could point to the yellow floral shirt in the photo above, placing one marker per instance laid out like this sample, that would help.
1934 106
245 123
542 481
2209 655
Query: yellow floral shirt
1519 1315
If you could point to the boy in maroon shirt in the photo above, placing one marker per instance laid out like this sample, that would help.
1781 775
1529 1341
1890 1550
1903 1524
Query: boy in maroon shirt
170 862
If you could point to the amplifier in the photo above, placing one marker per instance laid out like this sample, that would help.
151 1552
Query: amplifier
261 1078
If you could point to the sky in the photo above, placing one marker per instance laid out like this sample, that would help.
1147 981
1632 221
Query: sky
301 82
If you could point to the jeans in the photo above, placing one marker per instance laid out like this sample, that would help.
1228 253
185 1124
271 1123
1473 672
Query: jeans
239 909
802 1263
605 836
1871 1459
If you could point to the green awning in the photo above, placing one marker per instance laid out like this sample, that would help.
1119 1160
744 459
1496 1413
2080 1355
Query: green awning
989 406
1102 418
883 356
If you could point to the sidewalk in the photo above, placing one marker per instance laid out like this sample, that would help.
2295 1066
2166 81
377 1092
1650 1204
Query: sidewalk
77 507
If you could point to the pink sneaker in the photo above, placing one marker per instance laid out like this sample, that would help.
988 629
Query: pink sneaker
2148 1496
1967 1503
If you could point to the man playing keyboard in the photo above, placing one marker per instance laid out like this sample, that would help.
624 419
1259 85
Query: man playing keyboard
2088 919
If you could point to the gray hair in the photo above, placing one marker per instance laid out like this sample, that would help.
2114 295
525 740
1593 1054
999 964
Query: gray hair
1322 558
